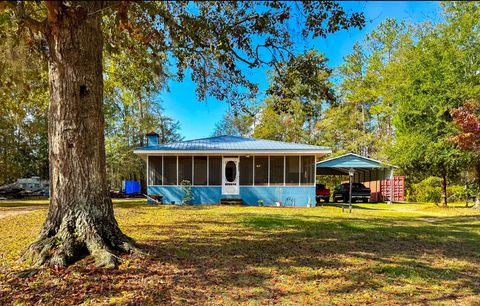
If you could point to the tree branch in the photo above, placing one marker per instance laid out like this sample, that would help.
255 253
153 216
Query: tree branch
247 18
53 10
23 19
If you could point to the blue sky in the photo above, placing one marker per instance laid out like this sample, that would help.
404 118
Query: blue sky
197 119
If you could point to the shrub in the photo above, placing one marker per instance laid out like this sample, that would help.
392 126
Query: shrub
428 190
457 193
187 191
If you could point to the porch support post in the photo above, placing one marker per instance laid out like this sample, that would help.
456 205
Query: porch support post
253 174
351 174
148 170
268 169
193 170
299 170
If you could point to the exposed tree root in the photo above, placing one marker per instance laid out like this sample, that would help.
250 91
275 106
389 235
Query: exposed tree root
70 243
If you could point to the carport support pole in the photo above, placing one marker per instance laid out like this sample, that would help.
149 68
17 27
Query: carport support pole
350 176
391 186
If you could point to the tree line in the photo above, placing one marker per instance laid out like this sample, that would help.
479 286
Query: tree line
408 94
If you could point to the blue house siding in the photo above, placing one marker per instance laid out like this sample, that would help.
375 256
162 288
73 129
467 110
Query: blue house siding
200 194
288 195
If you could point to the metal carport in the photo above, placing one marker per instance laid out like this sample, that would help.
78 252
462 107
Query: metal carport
364 169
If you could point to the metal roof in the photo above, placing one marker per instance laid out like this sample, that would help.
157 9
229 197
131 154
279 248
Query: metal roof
232 143
350 161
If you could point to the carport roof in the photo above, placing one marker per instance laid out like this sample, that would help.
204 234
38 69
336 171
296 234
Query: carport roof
341 164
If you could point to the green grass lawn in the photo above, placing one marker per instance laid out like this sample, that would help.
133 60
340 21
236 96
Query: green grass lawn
379 254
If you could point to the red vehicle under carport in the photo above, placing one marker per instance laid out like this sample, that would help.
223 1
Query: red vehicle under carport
322 193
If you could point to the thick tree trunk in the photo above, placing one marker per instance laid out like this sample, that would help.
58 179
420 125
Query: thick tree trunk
444 190
80 218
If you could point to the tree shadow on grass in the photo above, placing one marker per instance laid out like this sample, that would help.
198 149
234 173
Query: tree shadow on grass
346 207
281 258
286 244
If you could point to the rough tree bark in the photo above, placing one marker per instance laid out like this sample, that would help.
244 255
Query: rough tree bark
80 218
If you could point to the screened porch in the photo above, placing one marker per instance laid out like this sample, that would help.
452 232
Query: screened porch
256 170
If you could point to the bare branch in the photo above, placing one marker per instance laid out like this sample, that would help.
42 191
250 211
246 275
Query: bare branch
247 18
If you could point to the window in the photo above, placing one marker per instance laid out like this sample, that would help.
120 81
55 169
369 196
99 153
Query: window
169 170
261 170
308 170
200 170
184 169
276 170
215 170
291 170
155 170
246 170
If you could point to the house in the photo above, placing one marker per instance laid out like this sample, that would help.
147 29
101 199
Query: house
231 168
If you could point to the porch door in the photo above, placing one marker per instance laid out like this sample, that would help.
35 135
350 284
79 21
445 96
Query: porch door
230 176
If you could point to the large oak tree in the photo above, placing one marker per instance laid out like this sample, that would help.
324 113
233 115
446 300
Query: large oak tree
212 41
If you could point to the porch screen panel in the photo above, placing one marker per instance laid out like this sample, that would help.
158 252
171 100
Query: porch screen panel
184 169
200 170
155 170
215 170
276 170
291 170
308 174
170 170
261 170
246 170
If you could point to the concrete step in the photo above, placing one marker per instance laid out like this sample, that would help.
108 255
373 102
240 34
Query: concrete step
231 201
